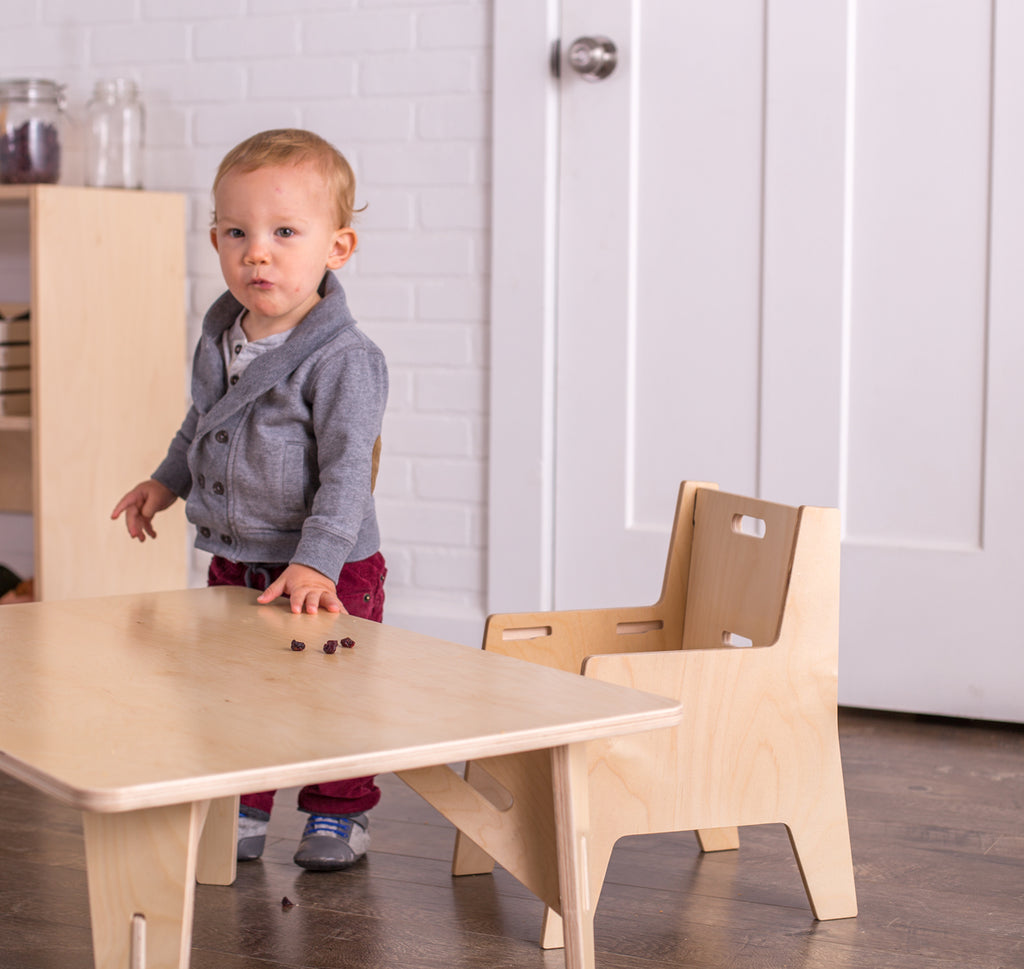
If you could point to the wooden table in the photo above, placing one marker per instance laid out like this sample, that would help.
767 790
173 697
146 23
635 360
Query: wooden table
152 713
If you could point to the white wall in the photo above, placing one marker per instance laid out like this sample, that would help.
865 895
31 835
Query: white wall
402 87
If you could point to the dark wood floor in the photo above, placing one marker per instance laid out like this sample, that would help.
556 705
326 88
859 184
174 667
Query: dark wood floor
937 820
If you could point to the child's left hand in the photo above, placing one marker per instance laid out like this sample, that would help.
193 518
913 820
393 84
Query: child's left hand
309 590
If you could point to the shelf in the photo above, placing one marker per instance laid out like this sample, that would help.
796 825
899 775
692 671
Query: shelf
18 193
14 193
92 263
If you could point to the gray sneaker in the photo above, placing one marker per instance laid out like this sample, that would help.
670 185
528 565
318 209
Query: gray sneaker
331 842
252 837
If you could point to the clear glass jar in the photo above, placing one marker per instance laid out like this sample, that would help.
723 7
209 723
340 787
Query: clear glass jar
31 118
114 135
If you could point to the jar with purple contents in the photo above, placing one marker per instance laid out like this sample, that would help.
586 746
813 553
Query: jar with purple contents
31 114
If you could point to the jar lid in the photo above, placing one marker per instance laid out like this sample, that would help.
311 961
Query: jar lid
115 89
32 89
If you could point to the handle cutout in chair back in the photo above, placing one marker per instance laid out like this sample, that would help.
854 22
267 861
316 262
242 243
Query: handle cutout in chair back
748 525
525 632
736 640
637 628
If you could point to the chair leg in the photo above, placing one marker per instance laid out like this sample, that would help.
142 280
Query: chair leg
718 839
822 849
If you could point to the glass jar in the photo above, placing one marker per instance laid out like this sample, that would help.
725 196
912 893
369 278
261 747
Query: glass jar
113 136
31 116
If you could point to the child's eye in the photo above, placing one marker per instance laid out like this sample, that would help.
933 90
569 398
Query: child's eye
234 233
285 232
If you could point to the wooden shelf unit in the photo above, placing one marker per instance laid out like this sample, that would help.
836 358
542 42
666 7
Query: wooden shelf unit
103 271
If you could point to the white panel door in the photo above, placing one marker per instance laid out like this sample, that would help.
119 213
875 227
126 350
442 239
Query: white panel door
788 260
700 256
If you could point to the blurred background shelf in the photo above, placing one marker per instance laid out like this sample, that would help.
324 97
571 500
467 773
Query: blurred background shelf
103 272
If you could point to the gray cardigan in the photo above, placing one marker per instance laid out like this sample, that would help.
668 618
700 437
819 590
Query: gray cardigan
277 468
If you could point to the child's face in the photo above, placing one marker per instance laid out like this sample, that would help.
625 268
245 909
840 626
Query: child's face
275 235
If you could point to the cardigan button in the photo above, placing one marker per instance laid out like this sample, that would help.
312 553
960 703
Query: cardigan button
218 488
204 531
221 437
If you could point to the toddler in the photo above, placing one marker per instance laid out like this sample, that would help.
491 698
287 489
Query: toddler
277 455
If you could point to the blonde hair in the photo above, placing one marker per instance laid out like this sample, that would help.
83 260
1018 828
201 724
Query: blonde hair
293 146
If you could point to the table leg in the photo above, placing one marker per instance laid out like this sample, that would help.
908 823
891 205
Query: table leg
572 829
143 864
218 848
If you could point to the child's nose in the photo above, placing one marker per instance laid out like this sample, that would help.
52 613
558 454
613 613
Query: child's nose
256 252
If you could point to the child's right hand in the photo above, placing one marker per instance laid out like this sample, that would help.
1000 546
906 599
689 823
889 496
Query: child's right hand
141 504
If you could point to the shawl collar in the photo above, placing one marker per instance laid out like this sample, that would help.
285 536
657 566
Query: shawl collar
214 399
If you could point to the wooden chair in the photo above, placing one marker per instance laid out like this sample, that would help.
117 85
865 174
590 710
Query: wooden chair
759 742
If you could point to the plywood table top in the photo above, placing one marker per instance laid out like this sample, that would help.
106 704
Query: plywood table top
116 704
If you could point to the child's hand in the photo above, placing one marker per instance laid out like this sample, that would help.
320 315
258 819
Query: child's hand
141 504
307 588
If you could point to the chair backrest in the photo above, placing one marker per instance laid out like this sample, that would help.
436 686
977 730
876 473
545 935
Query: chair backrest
740 563
375 465
727 579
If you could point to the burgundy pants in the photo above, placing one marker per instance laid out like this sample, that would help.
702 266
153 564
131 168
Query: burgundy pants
361 591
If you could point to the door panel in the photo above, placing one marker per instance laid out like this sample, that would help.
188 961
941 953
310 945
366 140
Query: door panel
700 261
932 560
919 275
659 283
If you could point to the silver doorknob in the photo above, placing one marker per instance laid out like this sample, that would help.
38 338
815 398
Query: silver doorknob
593 58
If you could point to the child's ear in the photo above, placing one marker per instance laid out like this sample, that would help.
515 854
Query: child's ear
213 239
342 248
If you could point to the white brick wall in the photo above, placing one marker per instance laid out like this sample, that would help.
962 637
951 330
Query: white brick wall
402 88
